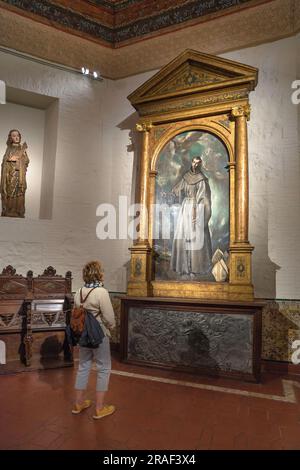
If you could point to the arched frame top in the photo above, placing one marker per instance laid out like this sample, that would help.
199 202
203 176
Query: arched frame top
170 134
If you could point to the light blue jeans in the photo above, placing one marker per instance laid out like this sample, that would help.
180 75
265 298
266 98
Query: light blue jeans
102 357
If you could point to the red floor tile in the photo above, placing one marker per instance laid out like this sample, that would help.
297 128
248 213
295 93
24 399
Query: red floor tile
35 413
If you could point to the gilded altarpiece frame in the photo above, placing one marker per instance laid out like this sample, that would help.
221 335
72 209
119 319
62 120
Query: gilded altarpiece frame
196 92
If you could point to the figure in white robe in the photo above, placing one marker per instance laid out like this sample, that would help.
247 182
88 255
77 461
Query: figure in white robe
192 250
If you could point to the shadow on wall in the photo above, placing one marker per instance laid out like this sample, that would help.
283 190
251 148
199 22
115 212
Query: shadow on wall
264 274
127 267
135 146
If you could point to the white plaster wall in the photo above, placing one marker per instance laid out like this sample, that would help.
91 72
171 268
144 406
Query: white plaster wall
96 162
30 122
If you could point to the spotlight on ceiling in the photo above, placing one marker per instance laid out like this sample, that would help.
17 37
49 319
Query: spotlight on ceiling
95 75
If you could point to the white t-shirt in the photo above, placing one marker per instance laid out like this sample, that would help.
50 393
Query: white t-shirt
98 301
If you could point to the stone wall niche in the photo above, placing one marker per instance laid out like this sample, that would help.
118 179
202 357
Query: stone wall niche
36 117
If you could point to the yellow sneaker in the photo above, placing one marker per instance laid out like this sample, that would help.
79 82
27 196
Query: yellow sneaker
105 411
79 408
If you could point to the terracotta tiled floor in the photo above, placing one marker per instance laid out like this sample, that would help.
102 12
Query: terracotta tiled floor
35 412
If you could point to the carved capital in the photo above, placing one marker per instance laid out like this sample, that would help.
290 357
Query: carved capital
144 126
240 111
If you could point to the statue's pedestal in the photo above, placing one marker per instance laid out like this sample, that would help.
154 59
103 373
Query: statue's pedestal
202 336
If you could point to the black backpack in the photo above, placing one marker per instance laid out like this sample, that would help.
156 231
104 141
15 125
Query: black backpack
92 334
88 336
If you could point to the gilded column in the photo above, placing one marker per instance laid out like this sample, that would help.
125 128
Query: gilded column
151 203
240 251
145 167
241 115
141 254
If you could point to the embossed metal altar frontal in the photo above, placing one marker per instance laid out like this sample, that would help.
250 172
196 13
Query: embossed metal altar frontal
217 338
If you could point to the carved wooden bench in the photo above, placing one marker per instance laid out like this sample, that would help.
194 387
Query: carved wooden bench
34 312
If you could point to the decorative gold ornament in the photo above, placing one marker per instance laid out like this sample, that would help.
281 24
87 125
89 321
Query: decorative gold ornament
240 111
144 127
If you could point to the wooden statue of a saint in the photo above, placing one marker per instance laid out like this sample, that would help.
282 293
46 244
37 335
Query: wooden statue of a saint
13 176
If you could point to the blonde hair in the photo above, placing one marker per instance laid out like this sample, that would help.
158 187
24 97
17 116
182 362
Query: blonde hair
92 272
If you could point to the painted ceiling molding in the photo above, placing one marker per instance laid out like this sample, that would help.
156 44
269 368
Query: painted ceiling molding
116 5
265 21
119 22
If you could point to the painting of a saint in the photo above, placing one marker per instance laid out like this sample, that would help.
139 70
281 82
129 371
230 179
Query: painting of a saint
191 249
192 194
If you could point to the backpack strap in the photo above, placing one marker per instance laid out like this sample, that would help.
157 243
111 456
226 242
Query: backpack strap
83 300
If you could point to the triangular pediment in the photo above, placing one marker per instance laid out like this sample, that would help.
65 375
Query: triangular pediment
186 77
192 72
